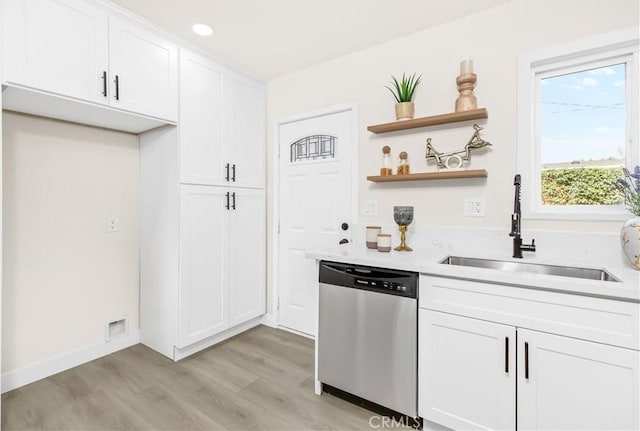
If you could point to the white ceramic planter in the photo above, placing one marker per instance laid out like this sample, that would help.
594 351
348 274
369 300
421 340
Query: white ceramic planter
630 240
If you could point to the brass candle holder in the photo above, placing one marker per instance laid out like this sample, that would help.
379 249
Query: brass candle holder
403 216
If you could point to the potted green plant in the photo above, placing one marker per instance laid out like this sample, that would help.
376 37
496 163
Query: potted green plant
403 91
630 234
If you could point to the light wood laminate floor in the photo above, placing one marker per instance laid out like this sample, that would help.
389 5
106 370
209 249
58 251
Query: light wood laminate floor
259 380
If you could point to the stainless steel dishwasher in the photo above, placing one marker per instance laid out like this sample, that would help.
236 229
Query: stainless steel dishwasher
368 335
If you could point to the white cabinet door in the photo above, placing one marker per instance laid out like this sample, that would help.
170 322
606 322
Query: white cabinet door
467 372
570 384
245 134
143 71
202 155
59 46
203 300
246 270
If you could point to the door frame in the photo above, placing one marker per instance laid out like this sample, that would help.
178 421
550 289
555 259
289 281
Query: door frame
272 318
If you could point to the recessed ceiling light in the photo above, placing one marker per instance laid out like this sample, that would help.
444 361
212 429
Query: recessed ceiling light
202 29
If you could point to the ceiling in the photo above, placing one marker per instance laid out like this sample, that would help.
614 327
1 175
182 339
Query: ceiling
268 38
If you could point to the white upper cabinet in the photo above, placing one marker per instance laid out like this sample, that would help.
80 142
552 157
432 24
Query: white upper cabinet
144 71
202 157
222 125
60 46
75 49
245 107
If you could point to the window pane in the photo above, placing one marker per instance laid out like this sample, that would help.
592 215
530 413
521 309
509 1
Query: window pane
582 136
314 147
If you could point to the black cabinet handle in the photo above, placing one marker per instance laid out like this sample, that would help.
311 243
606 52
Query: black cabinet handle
233 196
104 83
506 354
233 170
227 196
526 361
117 81
226 175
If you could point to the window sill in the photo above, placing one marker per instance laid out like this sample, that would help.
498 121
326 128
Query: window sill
614 215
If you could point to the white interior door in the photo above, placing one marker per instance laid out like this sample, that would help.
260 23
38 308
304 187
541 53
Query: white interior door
315 201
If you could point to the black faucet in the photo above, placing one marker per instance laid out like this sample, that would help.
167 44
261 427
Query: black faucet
518 246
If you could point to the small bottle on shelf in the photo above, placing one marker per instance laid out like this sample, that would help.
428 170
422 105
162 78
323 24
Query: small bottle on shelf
386 168
403 167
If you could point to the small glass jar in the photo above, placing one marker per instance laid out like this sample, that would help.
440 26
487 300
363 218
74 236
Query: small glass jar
386 168
403 167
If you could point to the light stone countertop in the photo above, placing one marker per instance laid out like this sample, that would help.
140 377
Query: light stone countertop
598 251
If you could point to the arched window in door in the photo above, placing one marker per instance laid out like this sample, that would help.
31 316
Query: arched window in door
314 147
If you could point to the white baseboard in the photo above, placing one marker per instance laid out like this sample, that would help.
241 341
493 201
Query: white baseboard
208 342
23 376
270 320
294 331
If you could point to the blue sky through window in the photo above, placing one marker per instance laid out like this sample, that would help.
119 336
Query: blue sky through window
583 116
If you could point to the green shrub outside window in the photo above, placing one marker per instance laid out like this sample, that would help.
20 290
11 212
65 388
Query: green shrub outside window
581 186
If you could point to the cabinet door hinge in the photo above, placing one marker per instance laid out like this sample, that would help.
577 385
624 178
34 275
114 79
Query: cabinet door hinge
278 307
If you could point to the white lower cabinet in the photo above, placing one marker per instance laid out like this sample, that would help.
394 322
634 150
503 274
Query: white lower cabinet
568 384
203 244
246 255
467 372
222 268
493 369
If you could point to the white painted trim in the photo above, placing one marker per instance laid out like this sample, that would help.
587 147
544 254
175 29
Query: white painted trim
592 49
293 331
270 320
215 339
35 372
275 192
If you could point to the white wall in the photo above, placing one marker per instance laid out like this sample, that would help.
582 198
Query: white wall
64 276
493 39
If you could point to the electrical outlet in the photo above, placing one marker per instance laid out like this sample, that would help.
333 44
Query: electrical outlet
474 207
112 224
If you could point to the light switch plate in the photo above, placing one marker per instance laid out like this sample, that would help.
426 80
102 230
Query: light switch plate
370 208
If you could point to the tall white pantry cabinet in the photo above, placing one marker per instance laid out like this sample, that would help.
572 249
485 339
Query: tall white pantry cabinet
203 213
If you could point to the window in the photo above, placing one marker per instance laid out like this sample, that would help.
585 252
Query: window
578 126
315 147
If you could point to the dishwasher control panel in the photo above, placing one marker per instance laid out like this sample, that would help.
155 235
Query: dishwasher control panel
389 281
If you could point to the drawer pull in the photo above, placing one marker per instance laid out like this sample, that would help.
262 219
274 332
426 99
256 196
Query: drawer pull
117 81
526 361
104 83
506 354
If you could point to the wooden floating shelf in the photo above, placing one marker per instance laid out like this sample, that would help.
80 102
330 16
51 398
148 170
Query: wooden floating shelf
442 175
434 120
